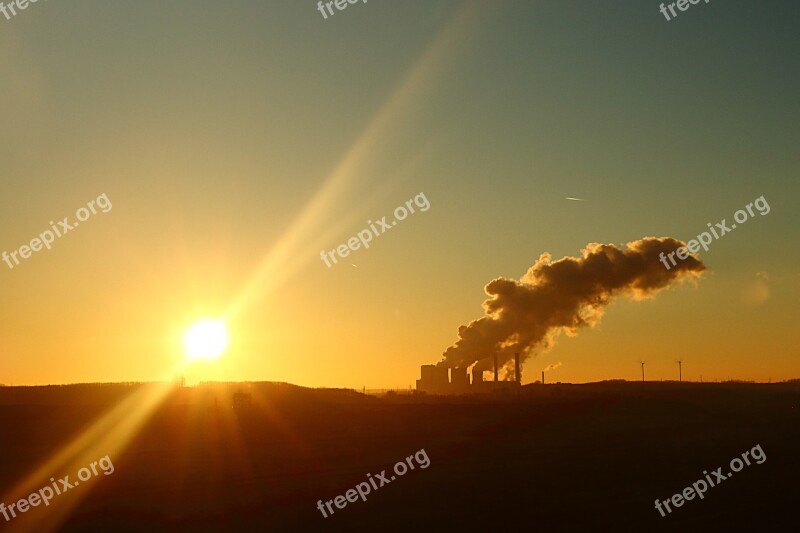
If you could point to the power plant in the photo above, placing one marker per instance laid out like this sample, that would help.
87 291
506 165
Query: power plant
443 380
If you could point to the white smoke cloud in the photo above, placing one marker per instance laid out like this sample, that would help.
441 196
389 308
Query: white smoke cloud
562 296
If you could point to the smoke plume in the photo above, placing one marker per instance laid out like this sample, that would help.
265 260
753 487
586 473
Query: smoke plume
525 316
548 368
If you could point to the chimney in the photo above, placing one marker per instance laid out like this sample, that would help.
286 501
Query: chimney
542 377
477 376
495 368
517 372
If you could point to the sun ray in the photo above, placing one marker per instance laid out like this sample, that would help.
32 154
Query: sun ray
112 433
287 255
109 435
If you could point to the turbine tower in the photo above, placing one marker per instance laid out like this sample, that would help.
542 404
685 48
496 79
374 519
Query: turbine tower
642 371
680 370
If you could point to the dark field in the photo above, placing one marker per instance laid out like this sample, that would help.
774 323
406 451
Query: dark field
553 458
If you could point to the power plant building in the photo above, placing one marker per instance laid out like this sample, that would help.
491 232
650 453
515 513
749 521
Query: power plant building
442 380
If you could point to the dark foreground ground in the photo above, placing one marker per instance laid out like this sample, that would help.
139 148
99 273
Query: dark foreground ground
554 458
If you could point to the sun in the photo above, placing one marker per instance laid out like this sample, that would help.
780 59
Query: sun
206 340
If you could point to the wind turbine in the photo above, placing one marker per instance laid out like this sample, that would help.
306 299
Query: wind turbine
680 370
642 371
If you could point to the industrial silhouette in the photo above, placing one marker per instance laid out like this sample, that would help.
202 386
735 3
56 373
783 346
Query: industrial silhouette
434 379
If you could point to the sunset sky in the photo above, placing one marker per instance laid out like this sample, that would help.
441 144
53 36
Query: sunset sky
237 140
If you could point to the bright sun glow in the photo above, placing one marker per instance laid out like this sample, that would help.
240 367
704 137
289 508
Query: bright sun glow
206 340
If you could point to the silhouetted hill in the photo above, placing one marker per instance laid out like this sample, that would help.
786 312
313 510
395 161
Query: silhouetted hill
558 457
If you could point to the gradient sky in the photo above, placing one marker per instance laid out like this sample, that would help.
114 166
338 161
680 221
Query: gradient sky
237 140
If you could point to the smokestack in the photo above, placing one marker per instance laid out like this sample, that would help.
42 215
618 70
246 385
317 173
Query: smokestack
517 372
561 296
542 377
495 368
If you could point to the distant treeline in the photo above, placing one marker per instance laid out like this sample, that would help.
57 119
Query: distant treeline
210 393
82 393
